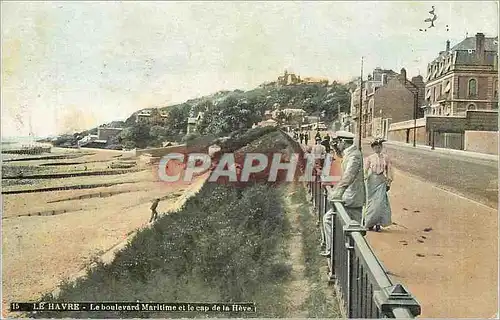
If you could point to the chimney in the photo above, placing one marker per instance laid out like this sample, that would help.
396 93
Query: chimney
403 74
480 46
447 45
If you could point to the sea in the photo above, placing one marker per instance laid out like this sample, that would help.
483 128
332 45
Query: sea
17 142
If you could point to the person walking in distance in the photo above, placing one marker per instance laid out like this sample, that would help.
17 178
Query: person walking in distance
301 137
378 179
350 189
318 135
306 137
154 213
326 143
319 152
327 138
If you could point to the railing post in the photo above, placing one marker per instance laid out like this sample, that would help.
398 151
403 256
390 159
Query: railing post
322 212
321 205
312 189
332 276
353 226
396 302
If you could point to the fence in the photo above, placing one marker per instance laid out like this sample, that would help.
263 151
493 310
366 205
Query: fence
361 282
449 140
28 150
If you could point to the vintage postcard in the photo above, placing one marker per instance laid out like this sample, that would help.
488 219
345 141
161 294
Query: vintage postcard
271 159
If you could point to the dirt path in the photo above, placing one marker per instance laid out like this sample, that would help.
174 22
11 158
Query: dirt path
452 269
297 290
307 293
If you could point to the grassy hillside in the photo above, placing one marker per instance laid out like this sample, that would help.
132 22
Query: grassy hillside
224 244
229 111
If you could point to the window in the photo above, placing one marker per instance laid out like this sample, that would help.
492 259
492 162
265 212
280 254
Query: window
447 89
471 107
496 89
472 87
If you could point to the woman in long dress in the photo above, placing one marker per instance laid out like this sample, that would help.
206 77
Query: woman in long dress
378 179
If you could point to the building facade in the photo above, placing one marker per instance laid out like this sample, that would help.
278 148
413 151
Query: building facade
193 122
464 77
387 97
288 79
106 133
151 116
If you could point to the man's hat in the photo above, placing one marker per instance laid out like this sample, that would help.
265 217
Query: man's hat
345 135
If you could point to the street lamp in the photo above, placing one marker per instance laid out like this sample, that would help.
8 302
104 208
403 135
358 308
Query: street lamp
360 104
415 119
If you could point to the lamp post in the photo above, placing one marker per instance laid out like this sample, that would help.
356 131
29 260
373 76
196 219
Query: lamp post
360 104
415 119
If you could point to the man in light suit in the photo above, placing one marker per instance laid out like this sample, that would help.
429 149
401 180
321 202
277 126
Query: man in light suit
350 189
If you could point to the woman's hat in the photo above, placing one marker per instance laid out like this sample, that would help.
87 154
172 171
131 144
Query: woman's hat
377 141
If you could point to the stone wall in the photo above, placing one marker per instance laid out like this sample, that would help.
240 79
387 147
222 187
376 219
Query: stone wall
474 120
403 131
397 135
482 121
160 152
482 141
401 135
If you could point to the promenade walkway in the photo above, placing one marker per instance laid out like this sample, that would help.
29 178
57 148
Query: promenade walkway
442 246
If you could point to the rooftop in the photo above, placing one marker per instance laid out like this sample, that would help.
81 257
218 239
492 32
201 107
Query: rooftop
469 43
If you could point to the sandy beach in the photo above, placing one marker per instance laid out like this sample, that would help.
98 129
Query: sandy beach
51 236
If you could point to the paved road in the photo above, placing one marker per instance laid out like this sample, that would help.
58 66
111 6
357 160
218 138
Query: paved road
475 179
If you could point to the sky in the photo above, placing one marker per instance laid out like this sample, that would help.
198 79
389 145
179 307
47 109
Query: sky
70 66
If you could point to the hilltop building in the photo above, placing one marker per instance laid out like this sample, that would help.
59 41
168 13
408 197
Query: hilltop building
289 112
193 122
267 123
288 79
292 79
151 116
107 133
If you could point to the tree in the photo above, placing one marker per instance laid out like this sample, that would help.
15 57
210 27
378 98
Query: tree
156 117
280 117
202 106
136 136
158 134
176 121
233 113
226 112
